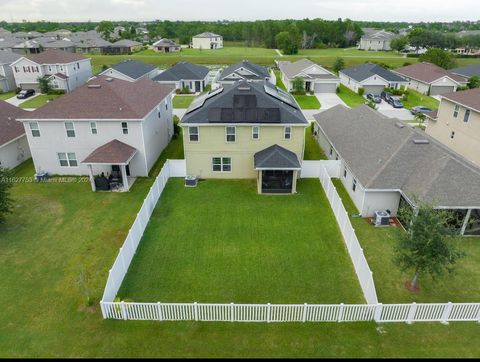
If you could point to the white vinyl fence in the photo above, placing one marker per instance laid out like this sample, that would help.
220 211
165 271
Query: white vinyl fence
313 169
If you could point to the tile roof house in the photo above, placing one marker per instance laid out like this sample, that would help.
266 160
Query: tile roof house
245 70
386 164
207 40
165 45
430 79
13 142
65 70
131 70
457 123
316 78
247 130
185 75
7 79
108 126
371 77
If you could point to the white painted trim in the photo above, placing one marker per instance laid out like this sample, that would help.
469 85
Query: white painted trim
226 134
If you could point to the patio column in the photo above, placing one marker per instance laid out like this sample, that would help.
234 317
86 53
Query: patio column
126 187
465 222
92 180
259 182
294 182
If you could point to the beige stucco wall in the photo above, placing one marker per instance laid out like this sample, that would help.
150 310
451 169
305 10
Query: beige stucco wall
467 134
212 143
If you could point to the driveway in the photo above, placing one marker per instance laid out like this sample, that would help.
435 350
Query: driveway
400 113
329 100
179 112
14 101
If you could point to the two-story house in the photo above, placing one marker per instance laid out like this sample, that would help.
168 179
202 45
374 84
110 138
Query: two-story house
376 40
13 142
207 40
246 131
108 126
457 123
7 80
65 70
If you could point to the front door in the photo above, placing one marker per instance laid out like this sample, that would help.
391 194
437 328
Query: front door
197 86
308 85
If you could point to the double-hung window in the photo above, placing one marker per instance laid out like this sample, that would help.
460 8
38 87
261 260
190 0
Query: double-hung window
354 185
67 159
125 127
466 116
255 132
34 129
70 129
455 111
221 164
93 127
230 134
288 133
193 134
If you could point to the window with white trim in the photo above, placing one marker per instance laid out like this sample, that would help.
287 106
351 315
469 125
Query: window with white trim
70 129
193 134
125 127
288 133
455 111
67 159
255 132
34 129
466 116
93 127
221 164
230 134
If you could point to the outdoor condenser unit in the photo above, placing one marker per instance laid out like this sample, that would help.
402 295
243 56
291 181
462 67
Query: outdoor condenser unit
381 218
191 181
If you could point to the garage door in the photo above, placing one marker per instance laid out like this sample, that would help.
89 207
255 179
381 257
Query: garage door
436 89
375 89
325 87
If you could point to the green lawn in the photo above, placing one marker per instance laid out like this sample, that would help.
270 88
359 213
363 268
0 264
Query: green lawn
39 101
182 101
216 253
307 102
351 98
415 98
6 95
313 151
463 286
348 52
279 80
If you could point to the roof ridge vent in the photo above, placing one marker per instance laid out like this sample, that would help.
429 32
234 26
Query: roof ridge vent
94 86
244 88
421 141
109 79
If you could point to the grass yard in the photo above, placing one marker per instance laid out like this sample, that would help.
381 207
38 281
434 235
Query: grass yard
463 286
182 101
6 95
351 98
216 253
348 52
313 151
278 77
39 101
307 102
415 98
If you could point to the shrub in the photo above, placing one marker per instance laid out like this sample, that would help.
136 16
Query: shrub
184 90
361 91
56 91
406 64
337 90
44 84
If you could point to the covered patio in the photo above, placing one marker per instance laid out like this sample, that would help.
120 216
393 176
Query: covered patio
114 157
277 170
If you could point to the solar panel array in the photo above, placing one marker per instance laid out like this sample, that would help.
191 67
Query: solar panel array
280 95
200 101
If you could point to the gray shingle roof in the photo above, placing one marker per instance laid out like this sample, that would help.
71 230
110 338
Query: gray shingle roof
183 70
291 70
379 35
132 68
245 103
276 157
125 43
383 156
206 34
260 71
9 127
367 70
468 70
7 57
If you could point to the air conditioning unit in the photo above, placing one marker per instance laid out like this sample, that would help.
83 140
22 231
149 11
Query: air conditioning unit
191 181
381 218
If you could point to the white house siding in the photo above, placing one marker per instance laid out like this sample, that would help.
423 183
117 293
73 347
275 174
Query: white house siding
380 200
374 44
418 86
8 83
14 153
349 82
26 79
204 43
117 75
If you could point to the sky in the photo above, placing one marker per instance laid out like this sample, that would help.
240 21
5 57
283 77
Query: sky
146 10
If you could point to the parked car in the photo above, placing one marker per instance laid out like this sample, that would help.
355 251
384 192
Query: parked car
395 102
374 97
420 109
25 93
385 96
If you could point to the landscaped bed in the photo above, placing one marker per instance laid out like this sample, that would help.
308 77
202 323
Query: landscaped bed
222 242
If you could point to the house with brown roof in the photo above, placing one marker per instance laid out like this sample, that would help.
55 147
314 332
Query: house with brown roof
428 78
13 142
110 129
457 123
65 70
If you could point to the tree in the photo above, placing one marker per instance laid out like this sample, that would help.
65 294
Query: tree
289 41
298 86
399 43
439 57
6 202
429 246
420 118
338 65
105 28
44 84
473 82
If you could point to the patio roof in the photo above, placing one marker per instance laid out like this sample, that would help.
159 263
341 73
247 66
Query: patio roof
111 153
276 158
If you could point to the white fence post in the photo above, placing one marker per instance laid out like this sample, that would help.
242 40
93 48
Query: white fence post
195 310
340 312
159 309
304 317
446 313
411 313
124 311
123 260
232 312
268 312
378 312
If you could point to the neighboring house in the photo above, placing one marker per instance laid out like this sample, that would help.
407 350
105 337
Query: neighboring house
7 44
27 47
65 45
13 142
430 79
131 70
246 131
386 164
7 79
165 45
371 77
467 71
124 46
92 46
457 123
66 70
467 51
245 70
105 126
185 75
376 40
317 79
207 40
